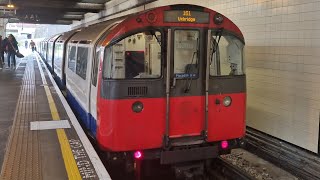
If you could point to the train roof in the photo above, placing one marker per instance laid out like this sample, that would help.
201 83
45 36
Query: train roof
91 34
53 38
66 35
45 40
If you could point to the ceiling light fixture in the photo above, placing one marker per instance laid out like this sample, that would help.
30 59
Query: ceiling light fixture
10 5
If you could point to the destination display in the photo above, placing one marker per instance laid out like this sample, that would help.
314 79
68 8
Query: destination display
179 16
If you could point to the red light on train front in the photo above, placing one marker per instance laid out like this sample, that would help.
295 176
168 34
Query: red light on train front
138 155
151 17
224 144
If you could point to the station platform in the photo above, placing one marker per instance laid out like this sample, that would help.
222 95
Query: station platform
40 136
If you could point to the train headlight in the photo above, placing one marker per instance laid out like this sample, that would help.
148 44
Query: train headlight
227 101
137 107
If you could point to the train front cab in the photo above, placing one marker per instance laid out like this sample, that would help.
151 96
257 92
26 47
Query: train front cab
172 89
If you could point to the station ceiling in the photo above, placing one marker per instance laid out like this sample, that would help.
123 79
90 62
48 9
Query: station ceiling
51 11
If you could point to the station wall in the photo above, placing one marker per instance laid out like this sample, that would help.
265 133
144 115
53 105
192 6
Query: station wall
282 60
283 65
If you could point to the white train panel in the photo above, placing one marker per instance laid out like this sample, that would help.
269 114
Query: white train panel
76 73
60 53
81 82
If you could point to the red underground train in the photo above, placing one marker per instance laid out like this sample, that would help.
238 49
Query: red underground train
167 83
182 99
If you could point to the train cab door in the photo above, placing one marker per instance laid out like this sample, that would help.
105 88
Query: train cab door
94 89
185 94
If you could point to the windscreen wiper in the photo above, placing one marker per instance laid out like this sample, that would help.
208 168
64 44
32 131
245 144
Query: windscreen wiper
189 80
154 34
215 43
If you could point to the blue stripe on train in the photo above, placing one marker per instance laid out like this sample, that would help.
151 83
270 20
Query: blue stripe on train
93 125
50 68
85 118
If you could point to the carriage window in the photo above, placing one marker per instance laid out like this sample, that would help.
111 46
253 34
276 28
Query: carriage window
72 58
95 67
228 56
50 49
186 46
45 50
82 59
58 53
136 57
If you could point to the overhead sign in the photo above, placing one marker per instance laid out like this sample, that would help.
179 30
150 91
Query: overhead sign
184 16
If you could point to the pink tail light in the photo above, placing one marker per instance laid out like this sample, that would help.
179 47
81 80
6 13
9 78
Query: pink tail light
224 144
137 155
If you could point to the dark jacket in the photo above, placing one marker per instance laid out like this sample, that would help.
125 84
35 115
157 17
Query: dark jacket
3 44
12 46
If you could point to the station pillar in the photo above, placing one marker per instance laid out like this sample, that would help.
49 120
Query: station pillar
3 23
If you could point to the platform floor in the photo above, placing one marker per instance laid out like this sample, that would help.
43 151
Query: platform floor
28 95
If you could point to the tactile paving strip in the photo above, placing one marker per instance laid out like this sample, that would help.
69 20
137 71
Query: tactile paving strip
22 159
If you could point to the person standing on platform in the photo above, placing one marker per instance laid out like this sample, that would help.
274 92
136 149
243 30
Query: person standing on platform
32 45
12 48
3 45
3 48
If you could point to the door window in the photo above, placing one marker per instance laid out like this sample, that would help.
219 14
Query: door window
186 57
72 58
95 66
82 60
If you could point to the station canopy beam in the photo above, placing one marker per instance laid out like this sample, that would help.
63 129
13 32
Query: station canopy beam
52 11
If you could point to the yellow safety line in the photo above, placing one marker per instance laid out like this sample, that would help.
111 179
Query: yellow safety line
68 158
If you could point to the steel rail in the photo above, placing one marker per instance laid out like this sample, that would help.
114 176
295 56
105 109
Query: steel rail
222 169
297 161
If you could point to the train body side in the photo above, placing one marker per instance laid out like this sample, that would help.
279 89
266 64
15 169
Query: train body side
50 51
60 57
79 64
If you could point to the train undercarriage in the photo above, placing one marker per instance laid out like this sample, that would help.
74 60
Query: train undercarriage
186 163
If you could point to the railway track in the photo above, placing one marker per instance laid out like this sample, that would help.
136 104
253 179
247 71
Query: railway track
293 159
224 170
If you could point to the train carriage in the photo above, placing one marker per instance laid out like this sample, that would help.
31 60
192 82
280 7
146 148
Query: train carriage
80 59
167 83
60 56
51 50
43 48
